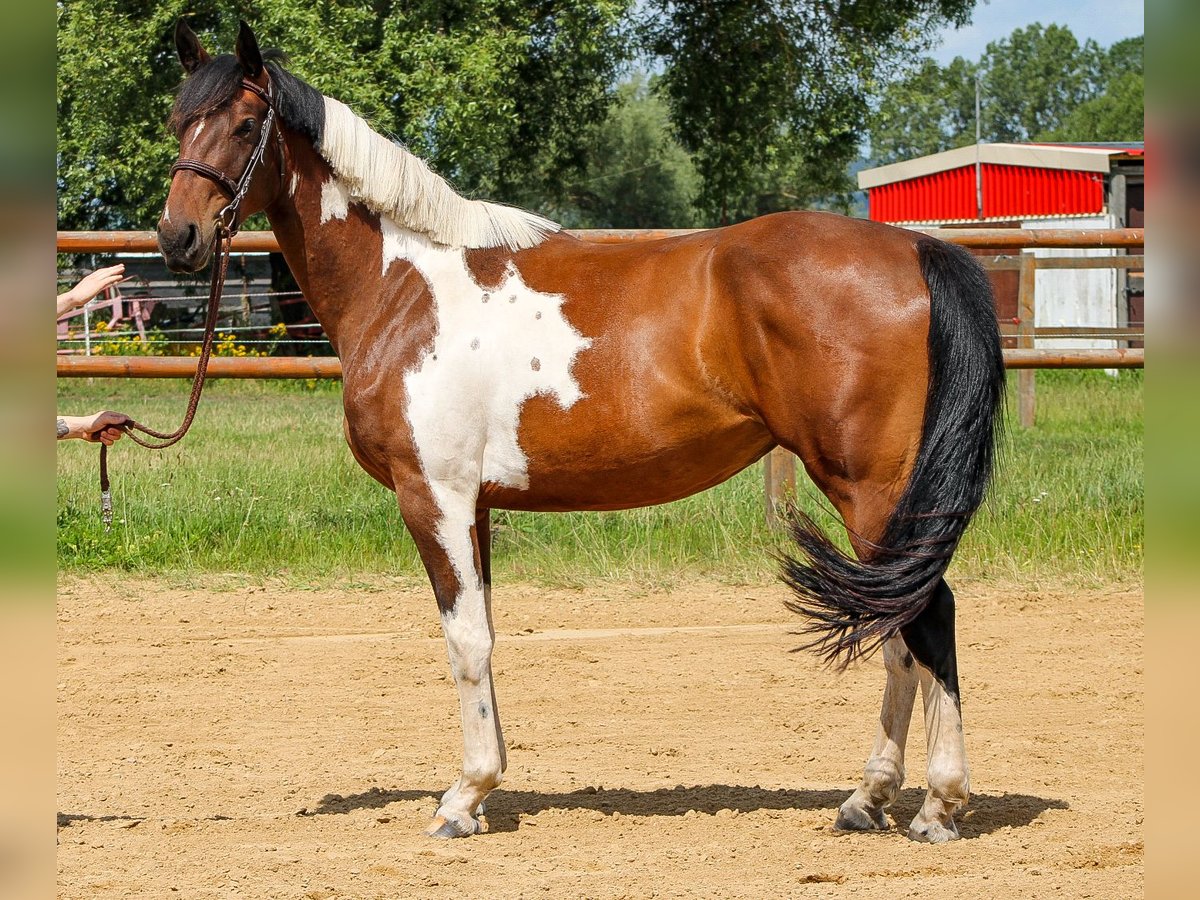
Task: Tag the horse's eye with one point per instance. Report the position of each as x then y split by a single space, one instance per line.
245 128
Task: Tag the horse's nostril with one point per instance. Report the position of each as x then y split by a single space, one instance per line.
182 244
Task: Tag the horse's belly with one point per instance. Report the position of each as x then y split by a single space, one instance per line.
621 472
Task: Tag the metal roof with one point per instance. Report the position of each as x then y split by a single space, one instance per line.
1073 157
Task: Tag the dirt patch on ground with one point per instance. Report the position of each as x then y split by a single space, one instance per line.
264 742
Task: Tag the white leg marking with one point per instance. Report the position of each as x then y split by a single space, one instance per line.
947 770
884 773
469 641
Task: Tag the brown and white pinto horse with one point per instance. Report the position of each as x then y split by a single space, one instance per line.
491 361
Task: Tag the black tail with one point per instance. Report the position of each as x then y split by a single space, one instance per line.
853 605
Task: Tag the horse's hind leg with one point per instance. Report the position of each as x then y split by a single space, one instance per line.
455 553
884 773
931 638
925 655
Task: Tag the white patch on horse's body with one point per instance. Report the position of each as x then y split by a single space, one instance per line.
167 213
199 128
394 183
465 394
335 200
294 183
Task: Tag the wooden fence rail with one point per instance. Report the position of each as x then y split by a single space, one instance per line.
331 366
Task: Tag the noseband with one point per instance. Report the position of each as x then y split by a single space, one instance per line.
227 217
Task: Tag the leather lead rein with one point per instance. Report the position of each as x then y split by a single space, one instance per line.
161 440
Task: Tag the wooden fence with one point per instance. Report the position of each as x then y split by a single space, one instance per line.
779 466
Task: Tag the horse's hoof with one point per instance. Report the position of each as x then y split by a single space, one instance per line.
454 827
932 832
856 818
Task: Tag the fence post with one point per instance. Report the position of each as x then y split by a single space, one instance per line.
1026 313
779 483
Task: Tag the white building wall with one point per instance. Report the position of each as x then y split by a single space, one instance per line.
1075 297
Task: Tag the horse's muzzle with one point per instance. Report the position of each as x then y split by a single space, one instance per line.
183 247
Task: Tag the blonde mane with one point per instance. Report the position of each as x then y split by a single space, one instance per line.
395 183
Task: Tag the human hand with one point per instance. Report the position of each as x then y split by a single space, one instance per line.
89 286
105 427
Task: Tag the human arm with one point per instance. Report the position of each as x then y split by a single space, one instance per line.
89 286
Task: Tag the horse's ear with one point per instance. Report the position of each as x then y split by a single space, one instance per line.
247 51
191 55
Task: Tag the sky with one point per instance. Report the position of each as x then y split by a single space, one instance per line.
1104 21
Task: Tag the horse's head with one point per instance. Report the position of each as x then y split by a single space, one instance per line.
230 148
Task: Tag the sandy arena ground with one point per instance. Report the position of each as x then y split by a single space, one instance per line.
260 742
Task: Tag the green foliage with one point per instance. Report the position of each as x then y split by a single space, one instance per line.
264 485
126 343
1038 84
115 79
1034 78
502 96
499 95
1116 115
770 96
636 173
509 98
930 110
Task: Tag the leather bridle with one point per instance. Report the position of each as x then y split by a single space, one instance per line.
227 226
227 217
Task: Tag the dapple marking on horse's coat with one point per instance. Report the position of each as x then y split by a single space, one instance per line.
491 362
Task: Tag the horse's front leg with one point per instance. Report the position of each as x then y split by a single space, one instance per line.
454 546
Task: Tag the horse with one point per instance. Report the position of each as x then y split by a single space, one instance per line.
492 361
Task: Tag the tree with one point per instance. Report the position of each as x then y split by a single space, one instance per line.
636 175
764 90
1119 113
930 110
1116 115
1034 78
1038 84
500 95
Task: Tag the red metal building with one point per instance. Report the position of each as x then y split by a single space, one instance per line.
1012 183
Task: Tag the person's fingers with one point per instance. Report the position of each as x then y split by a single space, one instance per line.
109 417
102 435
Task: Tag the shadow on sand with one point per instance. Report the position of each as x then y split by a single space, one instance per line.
984 814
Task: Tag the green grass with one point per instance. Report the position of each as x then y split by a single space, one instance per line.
265 486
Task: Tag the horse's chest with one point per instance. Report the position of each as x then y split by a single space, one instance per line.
493 348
